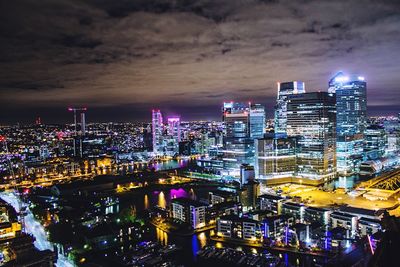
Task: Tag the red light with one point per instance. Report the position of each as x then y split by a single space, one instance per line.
2 138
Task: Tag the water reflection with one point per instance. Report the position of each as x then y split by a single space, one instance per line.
203 239
161 200
162 236
146 204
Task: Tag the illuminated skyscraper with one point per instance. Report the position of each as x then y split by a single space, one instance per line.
257 121
284 90
237 142
83 124
375 141
174 135
275 159
174 128
311 117
351 116
158 129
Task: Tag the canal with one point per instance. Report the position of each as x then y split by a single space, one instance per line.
192 244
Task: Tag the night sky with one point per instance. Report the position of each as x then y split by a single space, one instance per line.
122 58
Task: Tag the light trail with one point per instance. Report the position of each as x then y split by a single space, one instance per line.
33 227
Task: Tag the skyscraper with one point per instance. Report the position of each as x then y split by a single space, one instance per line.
238 146
83 124
375 141
174 128
275 159
174 134
312 118
257 121
158 129
351 116
284 90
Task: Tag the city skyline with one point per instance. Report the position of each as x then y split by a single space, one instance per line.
123 59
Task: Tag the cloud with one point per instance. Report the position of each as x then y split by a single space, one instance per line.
158 52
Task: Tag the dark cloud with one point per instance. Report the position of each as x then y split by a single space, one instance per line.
144 53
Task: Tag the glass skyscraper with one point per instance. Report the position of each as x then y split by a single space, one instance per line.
311 117
375 141
157 130
257 121
284 90
351 117
243 123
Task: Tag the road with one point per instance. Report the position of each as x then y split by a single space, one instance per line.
33 227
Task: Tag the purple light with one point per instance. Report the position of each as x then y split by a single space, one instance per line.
174 119
177 193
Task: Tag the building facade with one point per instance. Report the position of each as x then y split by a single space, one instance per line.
284 90
351 116
275 158
311 117
157 131
257 121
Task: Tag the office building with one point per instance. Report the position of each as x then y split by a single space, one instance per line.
351 116
311 117
238 146
246 174
257 121
375 142
275 159
158 132
284 90
243 122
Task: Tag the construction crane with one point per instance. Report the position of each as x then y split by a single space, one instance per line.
14 183
82 110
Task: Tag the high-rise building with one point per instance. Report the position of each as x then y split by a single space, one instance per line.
275 158
284 90
351 117
238 146
375 141
158 129
246 174
83 124
171 141
311 117
174 128
257 121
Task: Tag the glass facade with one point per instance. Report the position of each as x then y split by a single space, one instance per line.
157 130
311 117
243 123
275 158
284 90
257 121
351 106
375 140
238 147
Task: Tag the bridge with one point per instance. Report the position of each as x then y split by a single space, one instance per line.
387 184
